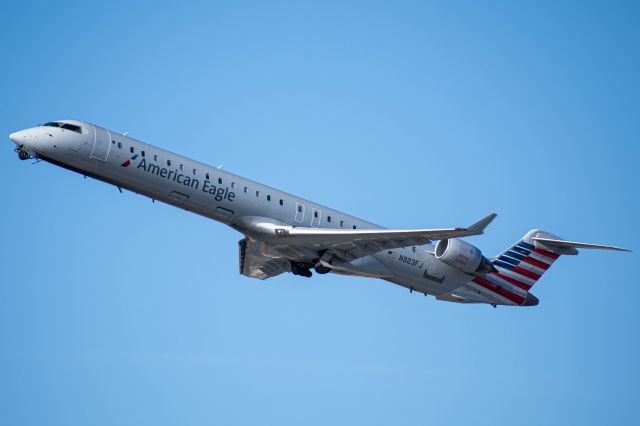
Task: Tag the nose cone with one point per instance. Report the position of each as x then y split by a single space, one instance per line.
18 138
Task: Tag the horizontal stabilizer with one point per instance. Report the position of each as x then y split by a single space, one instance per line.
573 244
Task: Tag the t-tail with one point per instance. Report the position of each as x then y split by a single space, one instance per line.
520 267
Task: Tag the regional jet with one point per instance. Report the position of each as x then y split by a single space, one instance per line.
285 233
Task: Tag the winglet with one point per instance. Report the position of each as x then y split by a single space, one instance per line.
478 227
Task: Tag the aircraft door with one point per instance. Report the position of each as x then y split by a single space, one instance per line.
315 218
101 144
299 212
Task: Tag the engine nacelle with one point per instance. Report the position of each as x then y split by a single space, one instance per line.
462 256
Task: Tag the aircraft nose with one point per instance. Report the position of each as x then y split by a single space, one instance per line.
18 137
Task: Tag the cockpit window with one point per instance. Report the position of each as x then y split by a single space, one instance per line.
53 124
66 126
72 127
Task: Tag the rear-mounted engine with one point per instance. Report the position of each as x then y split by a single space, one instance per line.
462 256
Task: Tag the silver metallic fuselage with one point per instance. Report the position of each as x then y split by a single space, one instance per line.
225 197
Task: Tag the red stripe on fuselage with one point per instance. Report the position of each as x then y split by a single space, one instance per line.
546 253
513 281
499 290
525 272
537 263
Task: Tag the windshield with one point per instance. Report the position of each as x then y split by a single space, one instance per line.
66 126
52 124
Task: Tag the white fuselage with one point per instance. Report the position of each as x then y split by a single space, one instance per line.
225 197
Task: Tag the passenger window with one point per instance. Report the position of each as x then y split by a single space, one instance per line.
155 157
131 150
281 202
181 166
142 153
268 197
315 213
246 189
195 172
233 184
220 181
113 142
168 162
207 176
119 144
299 208
257 193
354 227
341 223
328 218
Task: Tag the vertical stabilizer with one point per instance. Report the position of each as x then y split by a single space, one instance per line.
526 261
517 269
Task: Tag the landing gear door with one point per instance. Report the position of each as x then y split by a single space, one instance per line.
222 214
178 199
101 144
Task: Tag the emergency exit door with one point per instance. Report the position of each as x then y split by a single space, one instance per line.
101 144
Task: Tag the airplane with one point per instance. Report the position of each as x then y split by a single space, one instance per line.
285 233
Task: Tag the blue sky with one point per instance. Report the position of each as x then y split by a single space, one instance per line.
114 310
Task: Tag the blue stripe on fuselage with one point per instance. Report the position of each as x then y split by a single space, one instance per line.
521 250
525 245
514 262
515 255
503 264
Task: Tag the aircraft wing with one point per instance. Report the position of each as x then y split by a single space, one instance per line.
351 244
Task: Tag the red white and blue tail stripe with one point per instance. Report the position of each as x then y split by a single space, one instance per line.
523 264
517 270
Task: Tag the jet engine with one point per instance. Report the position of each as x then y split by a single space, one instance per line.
462 256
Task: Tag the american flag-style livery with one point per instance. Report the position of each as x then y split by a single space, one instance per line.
517 270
